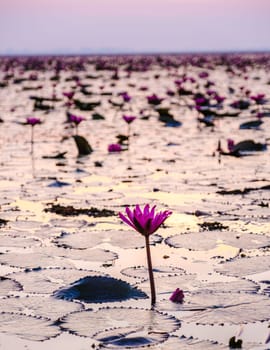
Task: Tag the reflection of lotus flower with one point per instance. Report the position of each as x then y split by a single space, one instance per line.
146 222
114 148
177 296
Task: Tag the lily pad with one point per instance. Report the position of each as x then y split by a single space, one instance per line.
99 289
46 281
207 240
242 267
39 306
233 308
27 327
88 323
124 239
129 337
185 343
8 285
189 283
142 271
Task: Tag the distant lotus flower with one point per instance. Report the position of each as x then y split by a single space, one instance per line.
177 296
32 121
201 101
211 92
219 99
76 120
259 99
128 118
154 99
192 80
230 145
114 148
170 92
69 94
203 75
146 222
125 96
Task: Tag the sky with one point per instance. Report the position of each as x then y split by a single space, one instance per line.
133 26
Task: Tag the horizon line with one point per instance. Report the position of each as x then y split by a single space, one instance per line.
135 53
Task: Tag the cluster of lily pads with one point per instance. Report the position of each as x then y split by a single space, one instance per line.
45 293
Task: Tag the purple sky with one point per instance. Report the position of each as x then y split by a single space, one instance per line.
87 26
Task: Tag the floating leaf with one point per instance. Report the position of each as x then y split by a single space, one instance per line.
87 323
232 308
19 242
46 307
46 281
8 285
99 289
207 240
129 337
27 327
188 283
82 240
242 267
185 343
32 260
142 271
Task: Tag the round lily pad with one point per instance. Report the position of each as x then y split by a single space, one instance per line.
232 308
185 343
129 337
99 289
142 271
8 285
46 281
122 238
207 240
245 266
88 323
47 307
27 327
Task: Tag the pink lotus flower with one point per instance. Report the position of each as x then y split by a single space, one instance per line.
230 145
154 99
177 296
114 148
219 99
128 118
76 119
125 96
33 121
259 99
146 222
69 94
203 75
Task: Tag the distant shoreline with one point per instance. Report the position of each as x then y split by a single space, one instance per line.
161 53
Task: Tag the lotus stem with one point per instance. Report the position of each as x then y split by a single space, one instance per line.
150 271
